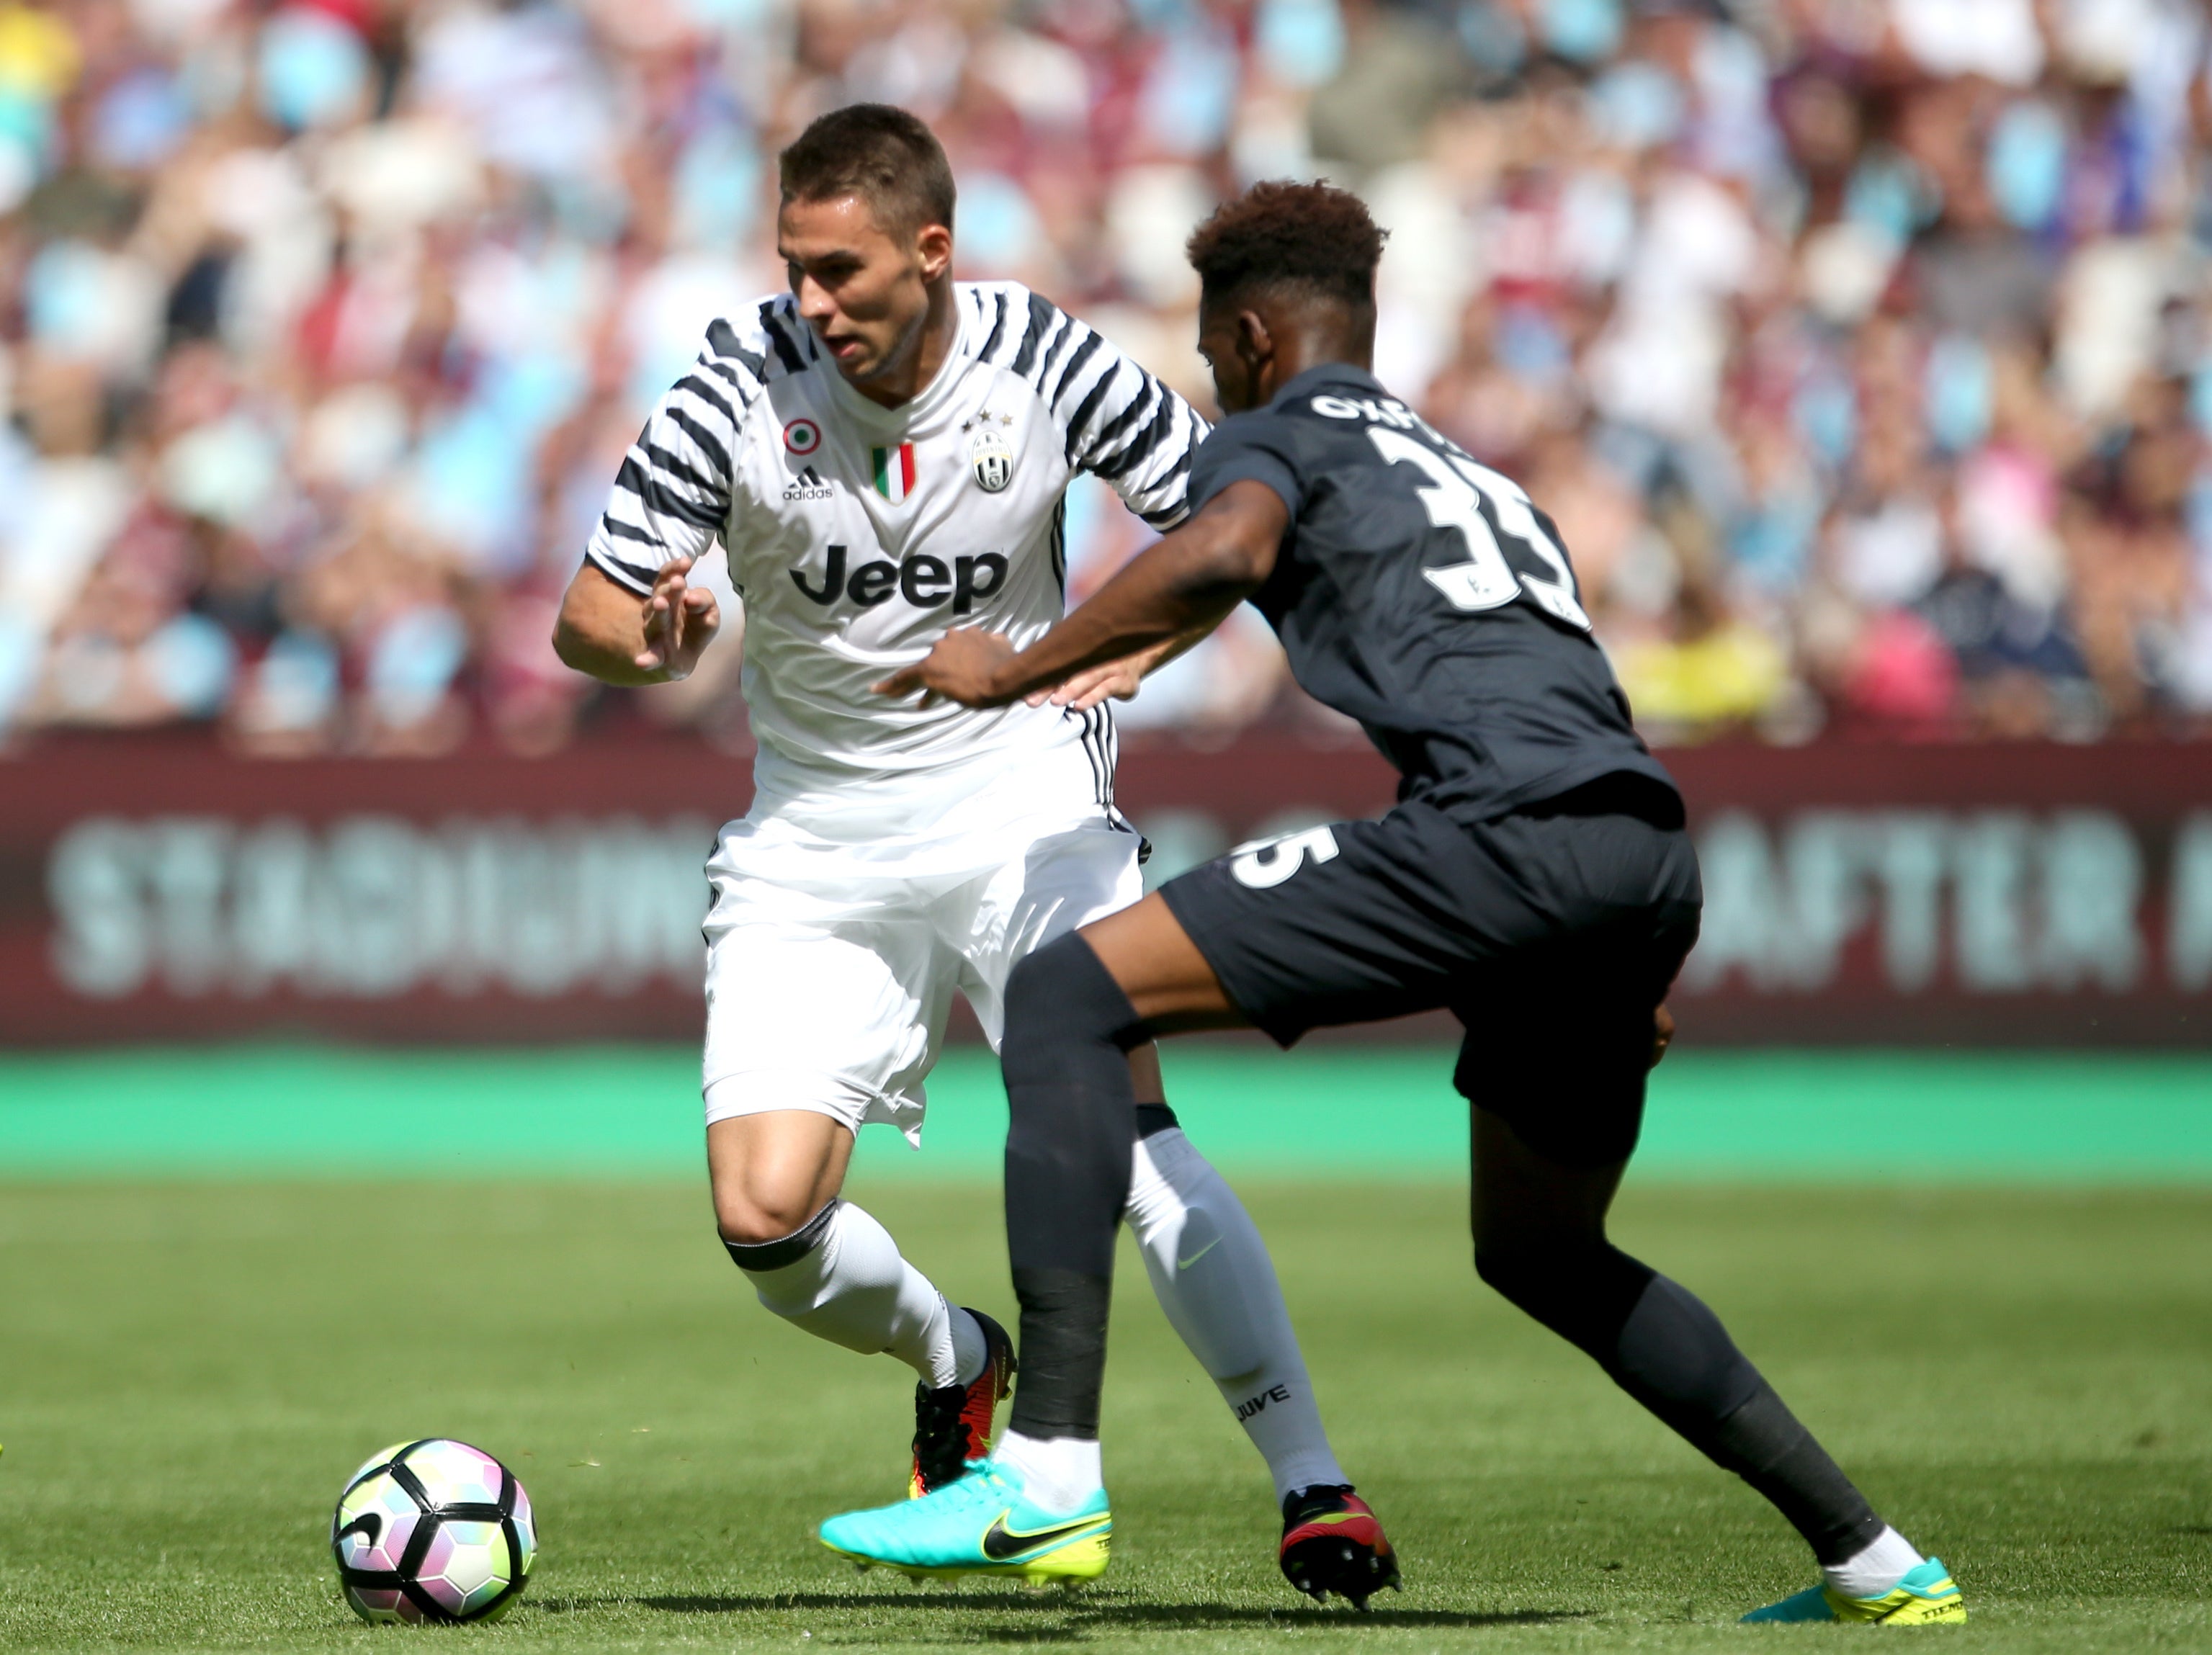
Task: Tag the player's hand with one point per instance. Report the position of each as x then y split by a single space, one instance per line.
963 667
1663 1033
680 620
1116 681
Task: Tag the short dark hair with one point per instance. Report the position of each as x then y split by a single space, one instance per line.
1283 235
885 156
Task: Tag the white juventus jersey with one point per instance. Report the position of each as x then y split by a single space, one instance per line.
858 535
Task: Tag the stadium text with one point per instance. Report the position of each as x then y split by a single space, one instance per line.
1949 895
373 907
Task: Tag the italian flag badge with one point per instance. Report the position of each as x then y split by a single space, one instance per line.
893 469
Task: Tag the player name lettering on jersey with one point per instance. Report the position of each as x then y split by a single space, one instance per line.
857 534
1387 411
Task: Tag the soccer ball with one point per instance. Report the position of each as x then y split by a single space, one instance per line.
433 1531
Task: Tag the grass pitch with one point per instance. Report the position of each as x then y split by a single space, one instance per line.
188 1371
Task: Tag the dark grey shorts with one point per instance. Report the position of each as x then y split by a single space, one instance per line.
1551 934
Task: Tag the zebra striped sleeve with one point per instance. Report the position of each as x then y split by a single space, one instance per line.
671 497
1124 426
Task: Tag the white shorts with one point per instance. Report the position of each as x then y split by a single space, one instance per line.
831 966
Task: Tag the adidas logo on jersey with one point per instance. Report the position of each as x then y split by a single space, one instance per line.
808 485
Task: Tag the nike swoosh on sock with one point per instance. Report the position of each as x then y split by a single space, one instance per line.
1185 1263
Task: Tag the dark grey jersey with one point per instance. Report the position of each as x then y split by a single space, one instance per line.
1421 593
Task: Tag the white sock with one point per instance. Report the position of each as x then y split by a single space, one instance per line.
1212 1275
854 1290
1886 1560
971 1349
1060 1474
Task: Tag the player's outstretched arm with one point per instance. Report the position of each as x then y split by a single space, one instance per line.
1117 680
1184 586
619 638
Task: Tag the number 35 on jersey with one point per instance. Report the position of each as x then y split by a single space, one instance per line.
1454 492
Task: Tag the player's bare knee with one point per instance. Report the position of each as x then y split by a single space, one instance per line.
752 1211
769 1239
771 1173
750 1221
740 1213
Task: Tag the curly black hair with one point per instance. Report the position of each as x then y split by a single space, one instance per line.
883 154
1278 234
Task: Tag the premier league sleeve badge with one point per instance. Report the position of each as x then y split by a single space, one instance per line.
991 455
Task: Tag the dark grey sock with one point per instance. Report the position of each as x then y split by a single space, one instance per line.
1070 1111
1063 1353
1660 1343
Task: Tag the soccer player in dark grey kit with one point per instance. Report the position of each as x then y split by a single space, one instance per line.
1535 878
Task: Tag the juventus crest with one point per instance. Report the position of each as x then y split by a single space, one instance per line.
990 453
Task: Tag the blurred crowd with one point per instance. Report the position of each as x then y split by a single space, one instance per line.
1861 348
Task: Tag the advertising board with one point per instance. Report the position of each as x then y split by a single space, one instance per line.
158 890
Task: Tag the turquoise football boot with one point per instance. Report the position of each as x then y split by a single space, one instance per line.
1926 1596
982 1524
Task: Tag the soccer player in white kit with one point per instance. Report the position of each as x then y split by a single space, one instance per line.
883 452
